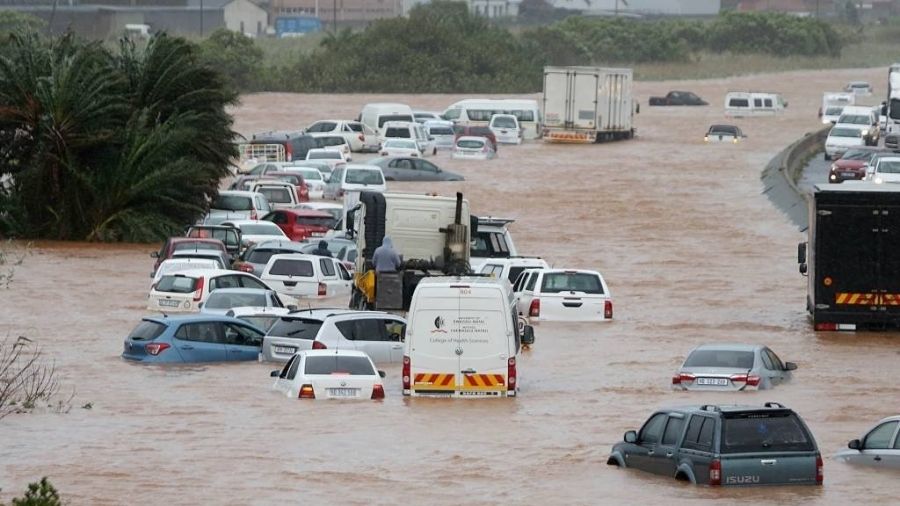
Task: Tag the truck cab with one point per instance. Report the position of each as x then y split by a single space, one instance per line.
491 240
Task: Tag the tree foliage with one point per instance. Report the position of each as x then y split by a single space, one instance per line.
103 145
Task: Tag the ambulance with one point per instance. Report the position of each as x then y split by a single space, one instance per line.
463 339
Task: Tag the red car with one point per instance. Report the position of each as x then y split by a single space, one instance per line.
298 224
475 131
174 244
852 164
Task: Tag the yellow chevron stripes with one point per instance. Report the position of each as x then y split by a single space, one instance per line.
867 299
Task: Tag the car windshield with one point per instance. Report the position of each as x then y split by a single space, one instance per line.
395 132
764 432
232 203
720 358
295 328
394 117
857 154
170 266
337 364
326 154
220 300
176 284
469 144
399 143
147 331
284 267
260 229
555 282
854 119
276 195
263 322
504 122
363 176
844 132
888 167
262 256
723 130
440 130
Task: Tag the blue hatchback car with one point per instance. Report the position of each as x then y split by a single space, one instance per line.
193 338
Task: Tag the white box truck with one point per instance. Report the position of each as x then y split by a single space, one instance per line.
587 104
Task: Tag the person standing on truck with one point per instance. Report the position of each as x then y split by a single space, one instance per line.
322 250
385 257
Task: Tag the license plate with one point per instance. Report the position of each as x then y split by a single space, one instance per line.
285 349
169 303
848 174
343 392
720 382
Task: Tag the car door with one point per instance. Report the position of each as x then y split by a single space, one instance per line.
200 342
638 455
368 335
877 448
663 460
697 446
282 383
425 170
395 330
251 282
242 343
779 373
767 370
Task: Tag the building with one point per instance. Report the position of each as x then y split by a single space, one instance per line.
494 8
350 13
641 7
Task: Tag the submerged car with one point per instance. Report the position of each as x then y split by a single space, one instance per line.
192 338
879 447
473 148
329 374
732 367
724 133
223 300
403 168
724 445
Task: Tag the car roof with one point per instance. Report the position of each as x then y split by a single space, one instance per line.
306 213
294 256
239 193
573 271
191 318
277 244
240 290
189 259
363 166
272 182
206 240
516 260
256 311
729 347
238 223
320 313
726 408
332 353
194 273
455 280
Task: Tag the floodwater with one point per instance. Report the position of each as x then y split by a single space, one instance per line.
691 250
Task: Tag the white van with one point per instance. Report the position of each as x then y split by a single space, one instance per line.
409 130
510 268
865 119
505 128
832 105
462 339
354 178
306 276
479 112
377 114
751 103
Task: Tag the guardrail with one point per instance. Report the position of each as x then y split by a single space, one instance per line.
784 170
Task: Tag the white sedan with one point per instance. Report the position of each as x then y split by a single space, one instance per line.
254 231
473 148
400 147
329 374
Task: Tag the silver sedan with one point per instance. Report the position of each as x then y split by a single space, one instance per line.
732 367
880 447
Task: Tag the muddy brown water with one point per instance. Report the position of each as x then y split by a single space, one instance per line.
691 250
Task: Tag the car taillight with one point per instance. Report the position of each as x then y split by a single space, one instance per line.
253 215
607 310
826 326
406 381
361 138
198 291
511 376
319 345
323 289
378 392
156 348
752 381
245 267
715 473
820 470
307 392
682 378
534 310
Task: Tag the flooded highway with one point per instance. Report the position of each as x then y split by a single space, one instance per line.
692 252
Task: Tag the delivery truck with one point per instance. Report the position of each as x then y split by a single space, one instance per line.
850 256
587 104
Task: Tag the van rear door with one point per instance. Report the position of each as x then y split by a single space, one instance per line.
480 332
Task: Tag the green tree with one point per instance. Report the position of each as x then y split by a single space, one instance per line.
41 493
236 56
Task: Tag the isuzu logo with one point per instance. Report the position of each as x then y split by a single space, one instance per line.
742 480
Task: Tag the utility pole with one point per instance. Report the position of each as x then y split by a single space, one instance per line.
201 18
334 17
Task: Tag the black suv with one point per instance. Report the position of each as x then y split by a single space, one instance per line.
724 445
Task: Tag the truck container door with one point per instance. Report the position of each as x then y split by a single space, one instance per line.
846 259
889 261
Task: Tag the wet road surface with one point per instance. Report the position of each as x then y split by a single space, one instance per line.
693 253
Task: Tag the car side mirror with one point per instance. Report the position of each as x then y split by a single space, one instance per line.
855 444
528 335
801 253
631 437
790 366
275 373
155 254
381 374
291 307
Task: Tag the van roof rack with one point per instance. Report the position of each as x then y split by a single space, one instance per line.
774 405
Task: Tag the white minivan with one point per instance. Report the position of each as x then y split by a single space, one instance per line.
377 114
354 177
574 295
462 339
752 103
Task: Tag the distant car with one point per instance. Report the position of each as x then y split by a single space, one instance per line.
185 291
173 265
886 169
254 259
324 166
475 131
223 300
330 156
354 177
378 334
174 244
254 231
333 208
506 129
360 137
678 98
403 168
335 142
222 259
510 268
859 88
300 224
566 295
841 138
724 446
314 179
192 338
329 374
230 237
279 194
732 367
851 165
335 245
306 276
236 205
832 113
865 119
473 148
878 448
724 133
400 147
261 317
426 116
442 133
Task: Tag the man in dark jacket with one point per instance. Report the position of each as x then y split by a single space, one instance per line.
322 250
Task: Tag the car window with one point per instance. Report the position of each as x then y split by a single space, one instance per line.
230 281
345 274
277 218
251 282
531 282
363 329
147 331
232 203
285 371
879 438
692 437
242 336
738 102
327 266
364 176
673 430
767 362
707 432
302 268
226 300
515 271
720 358
555 282
764 432
260 321
205 332
296 328
336 364
652 430
176 284
395 330
276 195
779 365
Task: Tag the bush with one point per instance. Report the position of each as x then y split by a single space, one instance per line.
41 493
